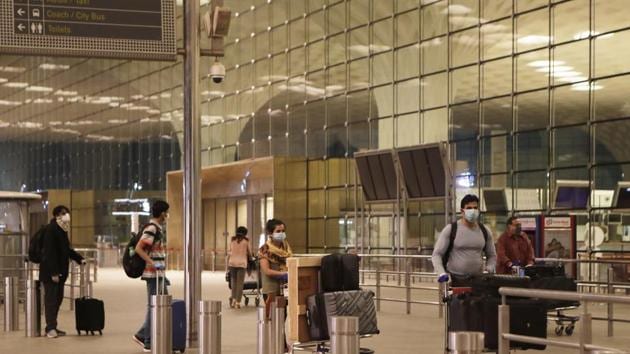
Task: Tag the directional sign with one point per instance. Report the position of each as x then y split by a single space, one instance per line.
106 28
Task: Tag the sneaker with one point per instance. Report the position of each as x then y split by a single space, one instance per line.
60 333
52 334
138 340
146 349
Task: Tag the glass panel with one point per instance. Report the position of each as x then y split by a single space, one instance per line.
407 62
465 84
530 189
496 39
408 130
607 60
434 126
532 30
434 20
525 5
359 40
407 96
570 64
465 47
407 28
382 36
527 76
492 9
571 21
496 152
532 110
496 116
532 150
465 121
336 18
497 77
569 106
359 13
382 9
382 70
609 15
611 141
571 146
463 13
434 90
610 98
434 55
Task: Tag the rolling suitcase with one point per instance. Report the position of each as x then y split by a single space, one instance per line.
89 315
179 325
358 303
543 270
339 272
489 284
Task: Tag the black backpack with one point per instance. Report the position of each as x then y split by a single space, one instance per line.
447 254
36 246
133 264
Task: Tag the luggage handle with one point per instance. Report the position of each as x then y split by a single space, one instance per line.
160 290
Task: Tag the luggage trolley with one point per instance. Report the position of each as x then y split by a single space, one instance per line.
252 284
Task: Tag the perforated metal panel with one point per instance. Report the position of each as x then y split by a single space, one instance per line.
84 46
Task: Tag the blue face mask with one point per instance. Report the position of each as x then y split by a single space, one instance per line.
471 215
279 236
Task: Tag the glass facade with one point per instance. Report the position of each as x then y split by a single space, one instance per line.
525 92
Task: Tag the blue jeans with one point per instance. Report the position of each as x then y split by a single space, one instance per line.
145 331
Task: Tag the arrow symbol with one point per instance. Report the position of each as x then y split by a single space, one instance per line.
21 27
21 11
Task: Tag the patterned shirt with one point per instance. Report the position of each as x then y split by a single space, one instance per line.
156 249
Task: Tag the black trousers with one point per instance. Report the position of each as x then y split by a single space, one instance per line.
53 296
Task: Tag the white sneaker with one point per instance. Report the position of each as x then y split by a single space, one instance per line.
52 334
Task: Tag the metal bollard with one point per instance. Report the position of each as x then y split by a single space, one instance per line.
344 335
609 306
11 313
33 308
161 324
277 323
263 333
465 342
73 284
209 327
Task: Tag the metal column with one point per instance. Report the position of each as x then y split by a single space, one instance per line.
33 309
192 166
263 333
11 310
161 324
210 327
344 335
609 306
277 323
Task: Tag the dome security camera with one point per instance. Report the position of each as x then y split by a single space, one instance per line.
217 72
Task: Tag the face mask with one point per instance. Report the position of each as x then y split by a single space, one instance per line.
471 215
279 236
65 218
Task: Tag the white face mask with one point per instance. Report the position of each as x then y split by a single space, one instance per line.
65 218
471 215
279 236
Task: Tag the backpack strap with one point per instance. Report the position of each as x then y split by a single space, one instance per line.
484 231
451 241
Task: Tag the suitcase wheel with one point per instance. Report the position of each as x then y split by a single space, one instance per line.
559 330
78 332
92 332
569 330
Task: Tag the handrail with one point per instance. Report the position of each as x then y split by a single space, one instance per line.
591 261
586 335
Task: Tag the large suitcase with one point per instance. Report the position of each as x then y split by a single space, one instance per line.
489 284
179 325
472 313
358 303
89 315
339 272
543 270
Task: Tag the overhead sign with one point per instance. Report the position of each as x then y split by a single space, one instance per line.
140 29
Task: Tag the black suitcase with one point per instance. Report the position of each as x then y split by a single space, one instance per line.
489 284
543 270
89 315
480 314
339 272
358 303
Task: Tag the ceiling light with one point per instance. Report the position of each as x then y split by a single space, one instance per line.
456 10
573 78
154 111
16 84
534 39
167 137
3 80
585 86
66 131
55 123
39 89
543 63
99 137
137 97
559 68
165 95
65 93
12 69
566 74
50 66
29 125
4 124
9 103
42 100
117 121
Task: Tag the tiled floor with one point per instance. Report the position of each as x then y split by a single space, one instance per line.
420 332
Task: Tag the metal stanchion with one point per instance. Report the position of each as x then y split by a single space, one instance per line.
344 335
504 327
378 286
11 314
209 327
466 342
263 341
33 308
277 323
408 285
161 324
609 306
73 284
